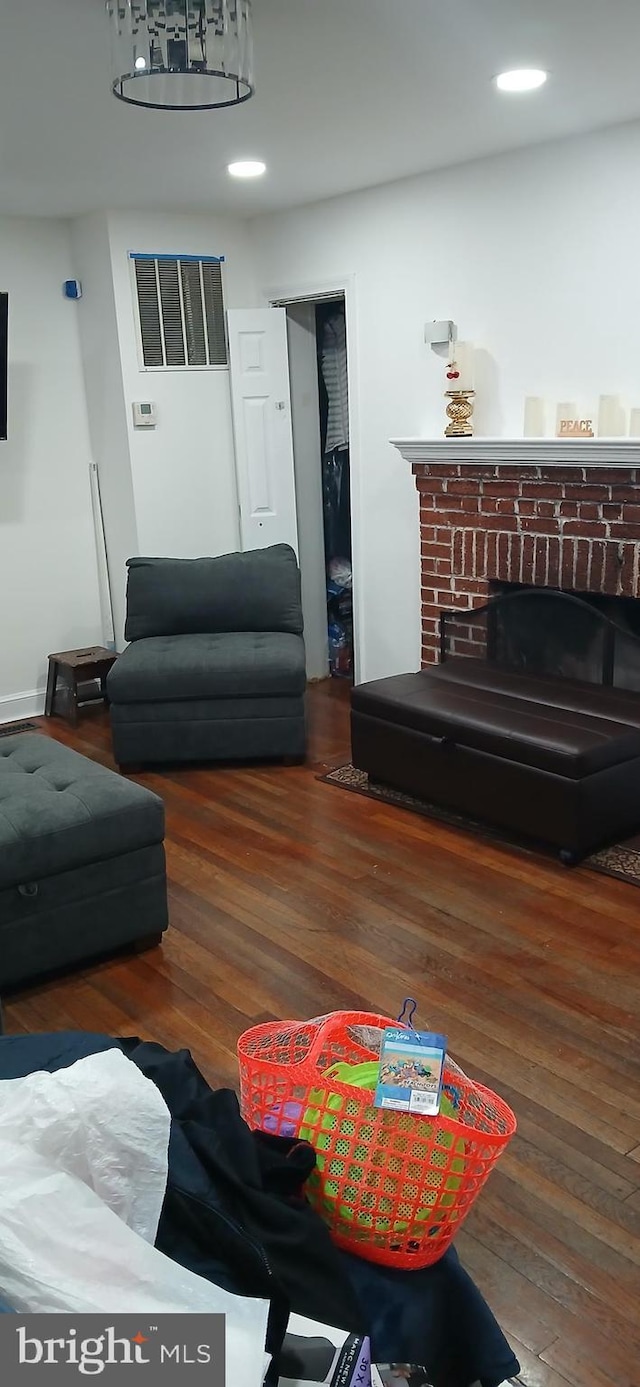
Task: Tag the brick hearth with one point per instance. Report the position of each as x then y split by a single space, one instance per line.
551 526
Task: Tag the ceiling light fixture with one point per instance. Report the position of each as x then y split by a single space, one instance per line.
247 168
181 55
522 79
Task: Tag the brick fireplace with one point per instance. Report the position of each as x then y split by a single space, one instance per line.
536 512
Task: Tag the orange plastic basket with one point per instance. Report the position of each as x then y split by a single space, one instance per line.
393 1187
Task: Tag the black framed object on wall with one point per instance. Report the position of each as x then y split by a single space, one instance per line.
4 361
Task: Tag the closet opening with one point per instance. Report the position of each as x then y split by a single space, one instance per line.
319 375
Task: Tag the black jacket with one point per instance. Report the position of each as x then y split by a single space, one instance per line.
235 1210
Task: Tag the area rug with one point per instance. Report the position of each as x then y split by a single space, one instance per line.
11 729
622 860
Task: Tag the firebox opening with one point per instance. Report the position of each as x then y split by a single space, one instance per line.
566 640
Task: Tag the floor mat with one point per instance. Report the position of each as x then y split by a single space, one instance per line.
621 860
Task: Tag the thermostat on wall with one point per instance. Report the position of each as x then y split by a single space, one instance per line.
144 415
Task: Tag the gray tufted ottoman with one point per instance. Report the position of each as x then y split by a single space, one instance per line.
82 869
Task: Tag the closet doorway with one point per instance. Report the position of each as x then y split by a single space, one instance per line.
320 415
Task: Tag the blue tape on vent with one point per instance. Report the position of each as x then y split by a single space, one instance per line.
193 259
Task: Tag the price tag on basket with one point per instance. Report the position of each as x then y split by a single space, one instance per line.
411 1071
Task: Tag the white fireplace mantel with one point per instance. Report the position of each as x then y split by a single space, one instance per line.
545 452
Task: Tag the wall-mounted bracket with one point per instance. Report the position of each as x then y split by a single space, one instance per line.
441 336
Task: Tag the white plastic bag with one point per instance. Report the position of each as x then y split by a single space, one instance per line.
103 1121
83 1166
62 1249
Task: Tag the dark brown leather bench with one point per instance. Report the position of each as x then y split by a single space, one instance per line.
554 759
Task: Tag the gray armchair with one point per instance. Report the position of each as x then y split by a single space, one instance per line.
215 668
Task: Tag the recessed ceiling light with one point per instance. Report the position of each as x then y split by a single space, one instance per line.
140 63
247 168
522 79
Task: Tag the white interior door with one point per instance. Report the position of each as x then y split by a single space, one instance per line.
260 401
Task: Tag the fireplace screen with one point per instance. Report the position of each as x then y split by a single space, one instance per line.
544 631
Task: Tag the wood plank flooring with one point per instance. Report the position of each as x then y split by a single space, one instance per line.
290 897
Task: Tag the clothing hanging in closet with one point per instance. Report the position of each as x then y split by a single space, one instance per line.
336 483
336 488
334 370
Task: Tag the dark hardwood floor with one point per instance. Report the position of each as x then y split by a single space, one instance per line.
290 897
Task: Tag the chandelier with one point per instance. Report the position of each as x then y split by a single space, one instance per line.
182 55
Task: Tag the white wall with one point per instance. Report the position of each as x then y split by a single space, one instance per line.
183 471
48 572
534 255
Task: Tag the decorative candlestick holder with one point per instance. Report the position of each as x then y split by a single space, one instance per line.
460 413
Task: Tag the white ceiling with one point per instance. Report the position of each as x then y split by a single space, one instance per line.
349 93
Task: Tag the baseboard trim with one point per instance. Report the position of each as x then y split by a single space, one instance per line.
17 707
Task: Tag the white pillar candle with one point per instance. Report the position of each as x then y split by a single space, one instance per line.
534 417
610 417
634 424
564 412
